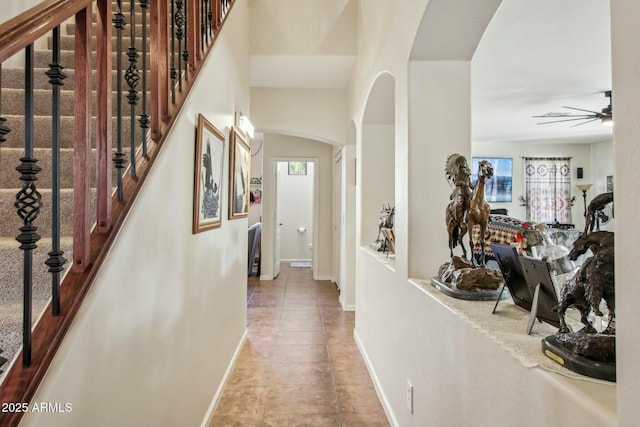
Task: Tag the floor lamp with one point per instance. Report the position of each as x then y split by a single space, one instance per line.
584 188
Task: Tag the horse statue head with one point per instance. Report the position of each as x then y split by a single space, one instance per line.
485 170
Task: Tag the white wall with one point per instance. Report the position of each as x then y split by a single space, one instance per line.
377 177
160 325
460 376
581 156
309 113
296 27
13 8
602 165
625 38
278 147
296 203
439 125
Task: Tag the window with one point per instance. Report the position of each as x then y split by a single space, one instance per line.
297 168
548 189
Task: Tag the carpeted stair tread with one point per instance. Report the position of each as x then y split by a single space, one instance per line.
43 58
42 131
11 222
11 288
10 159
13 102
13 78
71 27
68 42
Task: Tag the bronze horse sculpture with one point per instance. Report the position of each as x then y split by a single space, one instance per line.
594 281
479 210
459 174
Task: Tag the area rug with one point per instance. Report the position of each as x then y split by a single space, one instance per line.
301 264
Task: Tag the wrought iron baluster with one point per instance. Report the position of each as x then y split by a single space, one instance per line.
132 77
4 129
210 19
144 116
185 52
203 24
28 205
56 259
178 19
119 159
172 73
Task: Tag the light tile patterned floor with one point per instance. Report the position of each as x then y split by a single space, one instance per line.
300 365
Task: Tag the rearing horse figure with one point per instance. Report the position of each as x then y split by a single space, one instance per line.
479 209
458 172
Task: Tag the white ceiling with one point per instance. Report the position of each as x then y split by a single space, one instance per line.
534 58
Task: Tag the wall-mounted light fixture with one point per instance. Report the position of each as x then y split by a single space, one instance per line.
245 125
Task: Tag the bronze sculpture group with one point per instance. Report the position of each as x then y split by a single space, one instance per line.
595 279
467 206
385 228
587 351
593 282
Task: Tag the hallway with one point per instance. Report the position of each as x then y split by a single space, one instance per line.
300 365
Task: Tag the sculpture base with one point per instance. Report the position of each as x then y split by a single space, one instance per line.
562 349
450 290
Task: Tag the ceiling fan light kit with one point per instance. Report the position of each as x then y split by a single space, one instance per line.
605 116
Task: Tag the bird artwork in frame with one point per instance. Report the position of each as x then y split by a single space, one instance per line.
239 175
208 167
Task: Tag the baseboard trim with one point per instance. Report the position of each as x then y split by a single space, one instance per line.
348 307
376 383
216 398
322 277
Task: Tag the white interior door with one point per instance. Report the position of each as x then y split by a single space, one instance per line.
276 221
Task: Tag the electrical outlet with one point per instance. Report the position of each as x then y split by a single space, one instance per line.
410 397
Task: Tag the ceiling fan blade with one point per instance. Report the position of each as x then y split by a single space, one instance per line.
588 121
559 115
580 109
568 120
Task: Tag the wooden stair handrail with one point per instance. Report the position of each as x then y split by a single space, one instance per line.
29 26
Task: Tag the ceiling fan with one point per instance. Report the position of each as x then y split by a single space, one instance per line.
606 115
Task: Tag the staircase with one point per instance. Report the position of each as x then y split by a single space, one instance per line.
12 108
168 91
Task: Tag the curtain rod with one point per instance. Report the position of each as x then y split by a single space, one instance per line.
546 158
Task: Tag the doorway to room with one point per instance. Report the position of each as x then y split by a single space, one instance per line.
294 213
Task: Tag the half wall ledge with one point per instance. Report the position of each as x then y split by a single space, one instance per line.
507 329
387 259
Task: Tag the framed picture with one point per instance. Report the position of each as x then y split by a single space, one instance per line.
239 168
498 188
609 183
297 168
208 168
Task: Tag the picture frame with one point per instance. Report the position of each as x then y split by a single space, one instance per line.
499 187
208 176
609 183
239 175
297 168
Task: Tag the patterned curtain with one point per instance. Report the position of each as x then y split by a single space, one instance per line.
548 189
